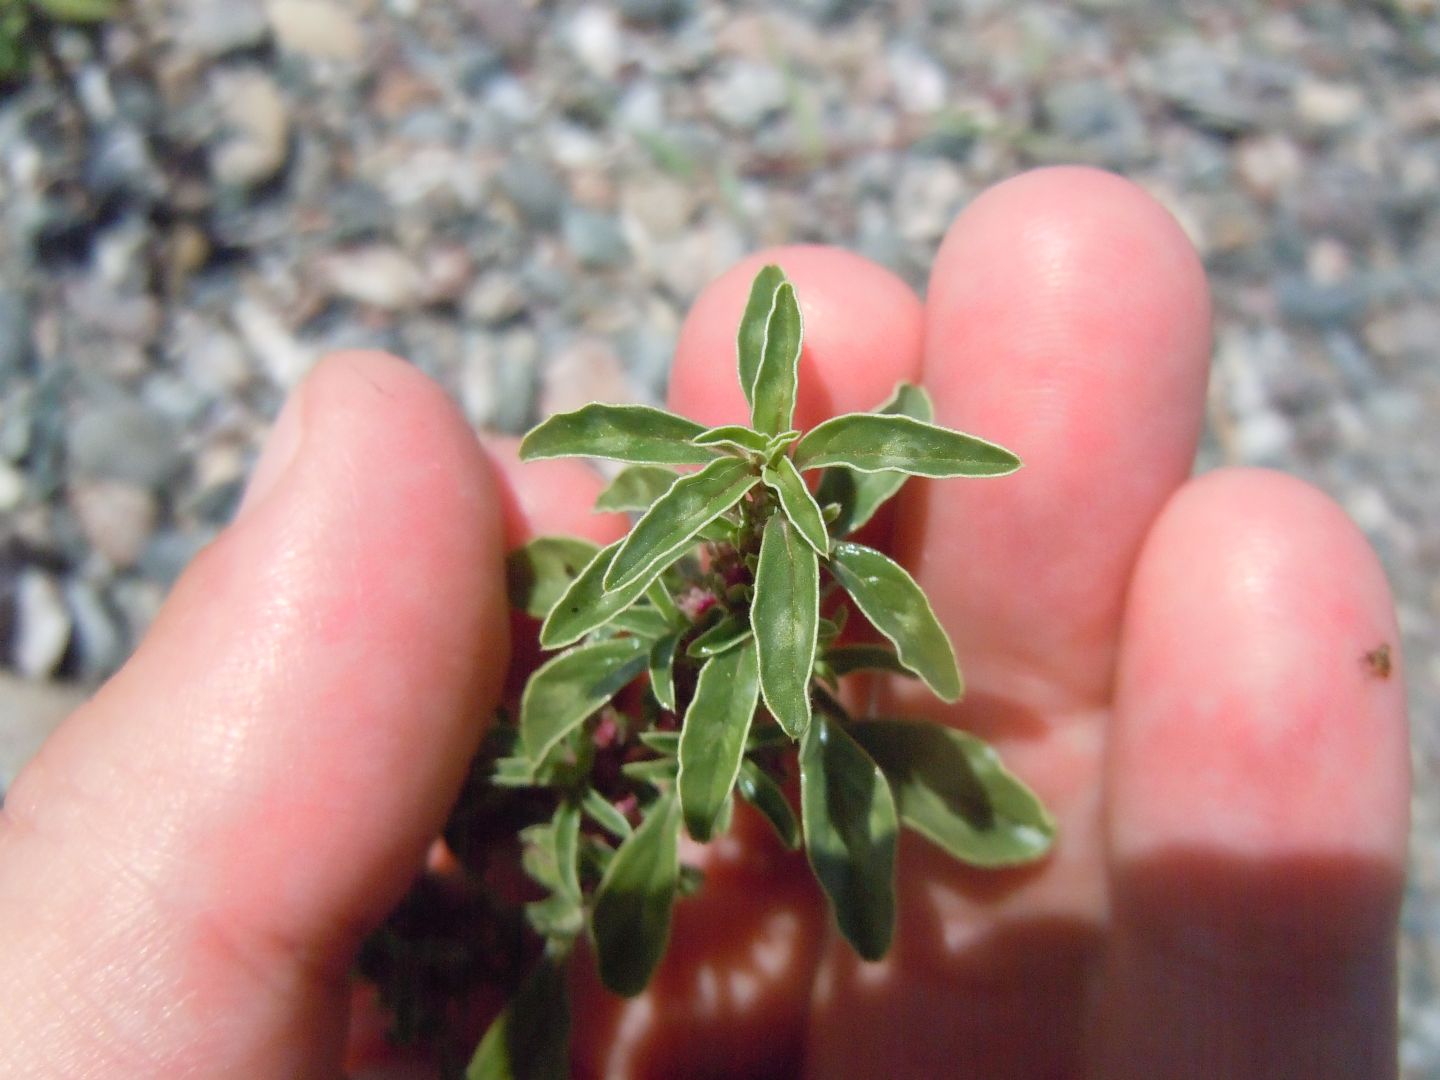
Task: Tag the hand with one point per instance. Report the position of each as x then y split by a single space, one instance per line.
1175 665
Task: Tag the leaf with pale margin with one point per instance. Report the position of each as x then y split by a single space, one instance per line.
773 405
631 919
760 791
857 495
643 621
722 637
568 688
850 834
635 433
669 527
538 574
847 659
953 789
868 442
712 740
662 742
662 668
797 502
636 487
896 606
602 811
734 436
587 605
786 615
750 342
530 1039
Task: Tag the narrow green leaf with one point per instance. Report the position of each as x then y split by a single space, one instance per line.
569 687
658 772
773 405
712 741
737 436
662 742
530 1039
79 11
723 636
952 789
602 811
662 668
797 502
850 826
587 605
786 616
636 487
856 495
895 605
631 920
760 791
670 525
661 600
750 345
643 621
871 443
845 659
538 574
636 433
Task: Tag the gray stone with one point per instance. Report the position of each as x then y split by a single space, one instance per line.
595 239
100 642
535 190
14 335
116 517
213 28
1320 303
126 441
655 12
746 94
1095 115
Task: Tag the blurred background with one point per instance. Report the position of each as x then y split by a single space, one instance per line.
200 197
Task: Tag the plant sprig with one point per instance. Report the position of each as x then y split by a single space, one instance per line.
691 664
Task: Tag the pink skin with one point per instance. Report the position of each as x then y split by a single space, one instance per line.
1176 665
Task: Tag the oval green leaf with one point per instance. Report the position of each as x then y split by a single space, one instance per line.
634 433
569 687
786 616
530 1039
734 436
750 343
760 791
537 575
868 442
953 789
850 834
797 502
587 605
722 637
662 668
712 740
773 405
602 811
895 605
858 495
636 487
631 920
670 525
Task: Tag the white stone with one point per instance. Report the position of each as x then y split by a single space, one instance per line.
285 359
1328 105
594 37
317 28
255 114
383 277
43 632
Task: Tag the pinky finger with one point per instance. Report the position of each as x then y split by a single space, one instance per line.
1258 791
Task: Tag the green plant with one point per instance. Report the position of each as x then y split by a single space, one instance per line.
700 657
25 25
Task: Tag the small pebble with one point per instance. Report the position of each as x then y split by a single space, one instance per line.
43 624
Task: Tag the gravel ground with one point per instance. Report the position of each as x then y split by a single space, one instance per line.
523 197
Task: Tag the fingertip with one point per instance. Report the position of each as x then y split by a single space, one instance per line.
863 328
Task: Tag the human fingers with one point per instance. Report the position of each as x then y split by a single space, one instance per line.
1067 319
1258 780
188 865
731 996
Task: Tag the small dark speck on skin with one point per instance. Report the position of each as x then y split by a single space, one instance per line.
1378 661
